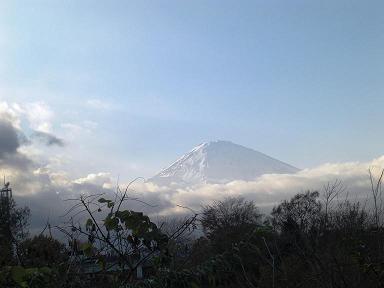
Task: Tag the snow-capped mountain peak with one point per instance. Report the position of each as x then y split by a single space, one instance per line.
220 162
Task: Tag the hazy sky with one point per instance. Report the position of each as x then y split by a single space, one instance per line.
130 85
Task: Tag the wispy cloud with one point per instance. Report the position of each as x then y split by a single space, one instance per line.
99 104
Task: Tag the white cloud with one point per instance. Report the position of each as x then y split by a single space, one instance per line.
10 113
102 179
39 115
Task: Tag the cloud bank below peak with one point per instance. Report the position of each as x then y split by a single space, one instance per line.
267 190
52 188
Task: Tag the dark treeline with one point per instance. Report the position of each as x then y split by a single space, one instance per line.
315 239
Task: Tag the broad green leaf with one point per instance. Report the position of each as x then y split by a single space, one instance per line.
86 248
111 223
103 200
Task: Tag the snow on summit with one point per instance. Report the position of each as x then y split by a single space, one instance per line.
220 162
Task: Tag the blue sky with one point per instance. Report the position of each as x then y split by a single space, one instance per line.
144 81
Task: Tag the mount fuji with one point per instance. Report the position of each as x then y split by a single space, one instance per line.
220 162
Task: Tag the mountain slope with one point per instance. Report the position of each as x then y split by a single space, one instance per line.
220 162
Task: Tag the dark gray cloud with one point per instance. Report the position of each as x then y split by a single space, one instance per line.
9 139
47 138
